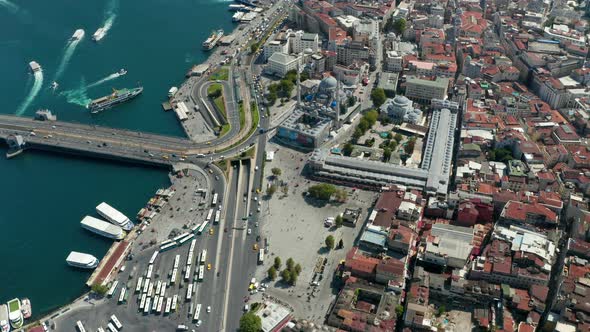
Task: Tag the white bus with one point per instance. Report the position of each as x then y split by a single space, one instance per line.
195 228
192 247
148 305
189 258
122 294
158 287
168 304
189 292
100 329
209 215
160 304
173 277
201 273
146 285
260 256
187 274
174 302
113 288
203 257
142 303
214 200
163 290
168 246
150 269
153 259
176 261
116 322
197 312
202 228
139 284
217 217
80 326
179 237
186 238
111 327
150 289
155 304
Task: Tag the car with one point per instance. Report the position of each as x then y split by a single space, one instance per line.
208 309
257 237
216 177
256 168
259 203
256 224
249 231
211 231
209 266
246 307
244 198
257 209
255 247
256 198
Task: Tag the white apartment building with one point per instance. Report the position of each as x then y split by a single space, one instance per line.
280 63
300 41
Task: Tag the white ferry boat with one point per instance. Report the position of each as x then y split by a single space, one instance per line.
82 260
114 216
78 34
102 228
14 313
99 34
4 324
35 67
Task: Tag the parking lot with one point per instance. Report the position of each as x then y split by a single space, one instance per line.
295 229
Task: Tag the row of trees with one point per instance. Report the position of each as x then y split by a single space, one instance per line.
285 87
330 242
365 123
325 191
289 275
250 322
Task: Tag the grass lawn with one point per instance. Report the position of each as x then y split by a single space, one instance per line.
255 118
242 116
214 90
220 74
224 129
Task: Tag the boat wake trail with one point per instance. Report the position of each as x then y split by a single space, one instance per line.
32 94
65 60
77 96
10 6
110 14
101 81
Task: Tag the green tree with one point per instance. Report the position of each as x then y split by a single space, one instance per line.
286 88
371 117
357 134
271 190
502 154
272 273
393 145
277 263
347 149
351 101
399 26
290 263
409 147
304 76
441 310
386 154
339 221
293 279
330 242
254 47
322 191
297 269
378 97
276 171
286 275
99 289
399 310
250 322
398 137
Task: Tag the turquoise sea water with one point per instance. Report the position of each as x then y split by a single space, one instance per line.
44 196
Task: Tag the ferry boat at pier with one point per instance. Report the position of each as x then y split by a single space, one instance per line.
4 324
102 228
82 260
15 314
117 97
213 39
114 216
26 308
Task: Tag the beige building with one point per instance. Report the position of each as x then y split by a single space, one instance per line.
423 90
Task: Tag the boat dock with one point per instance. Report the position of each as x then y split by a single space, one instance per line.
112 261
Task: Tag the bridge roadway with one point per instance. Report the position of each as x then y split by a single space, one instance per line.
104 141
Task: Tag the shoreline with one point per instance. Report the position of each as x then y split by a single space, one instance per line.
37 319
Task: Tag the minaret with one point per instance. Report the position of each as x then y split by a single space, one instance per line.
298 86
337 102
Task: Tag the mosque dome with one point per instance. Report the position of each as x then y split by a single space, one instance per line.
328 84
